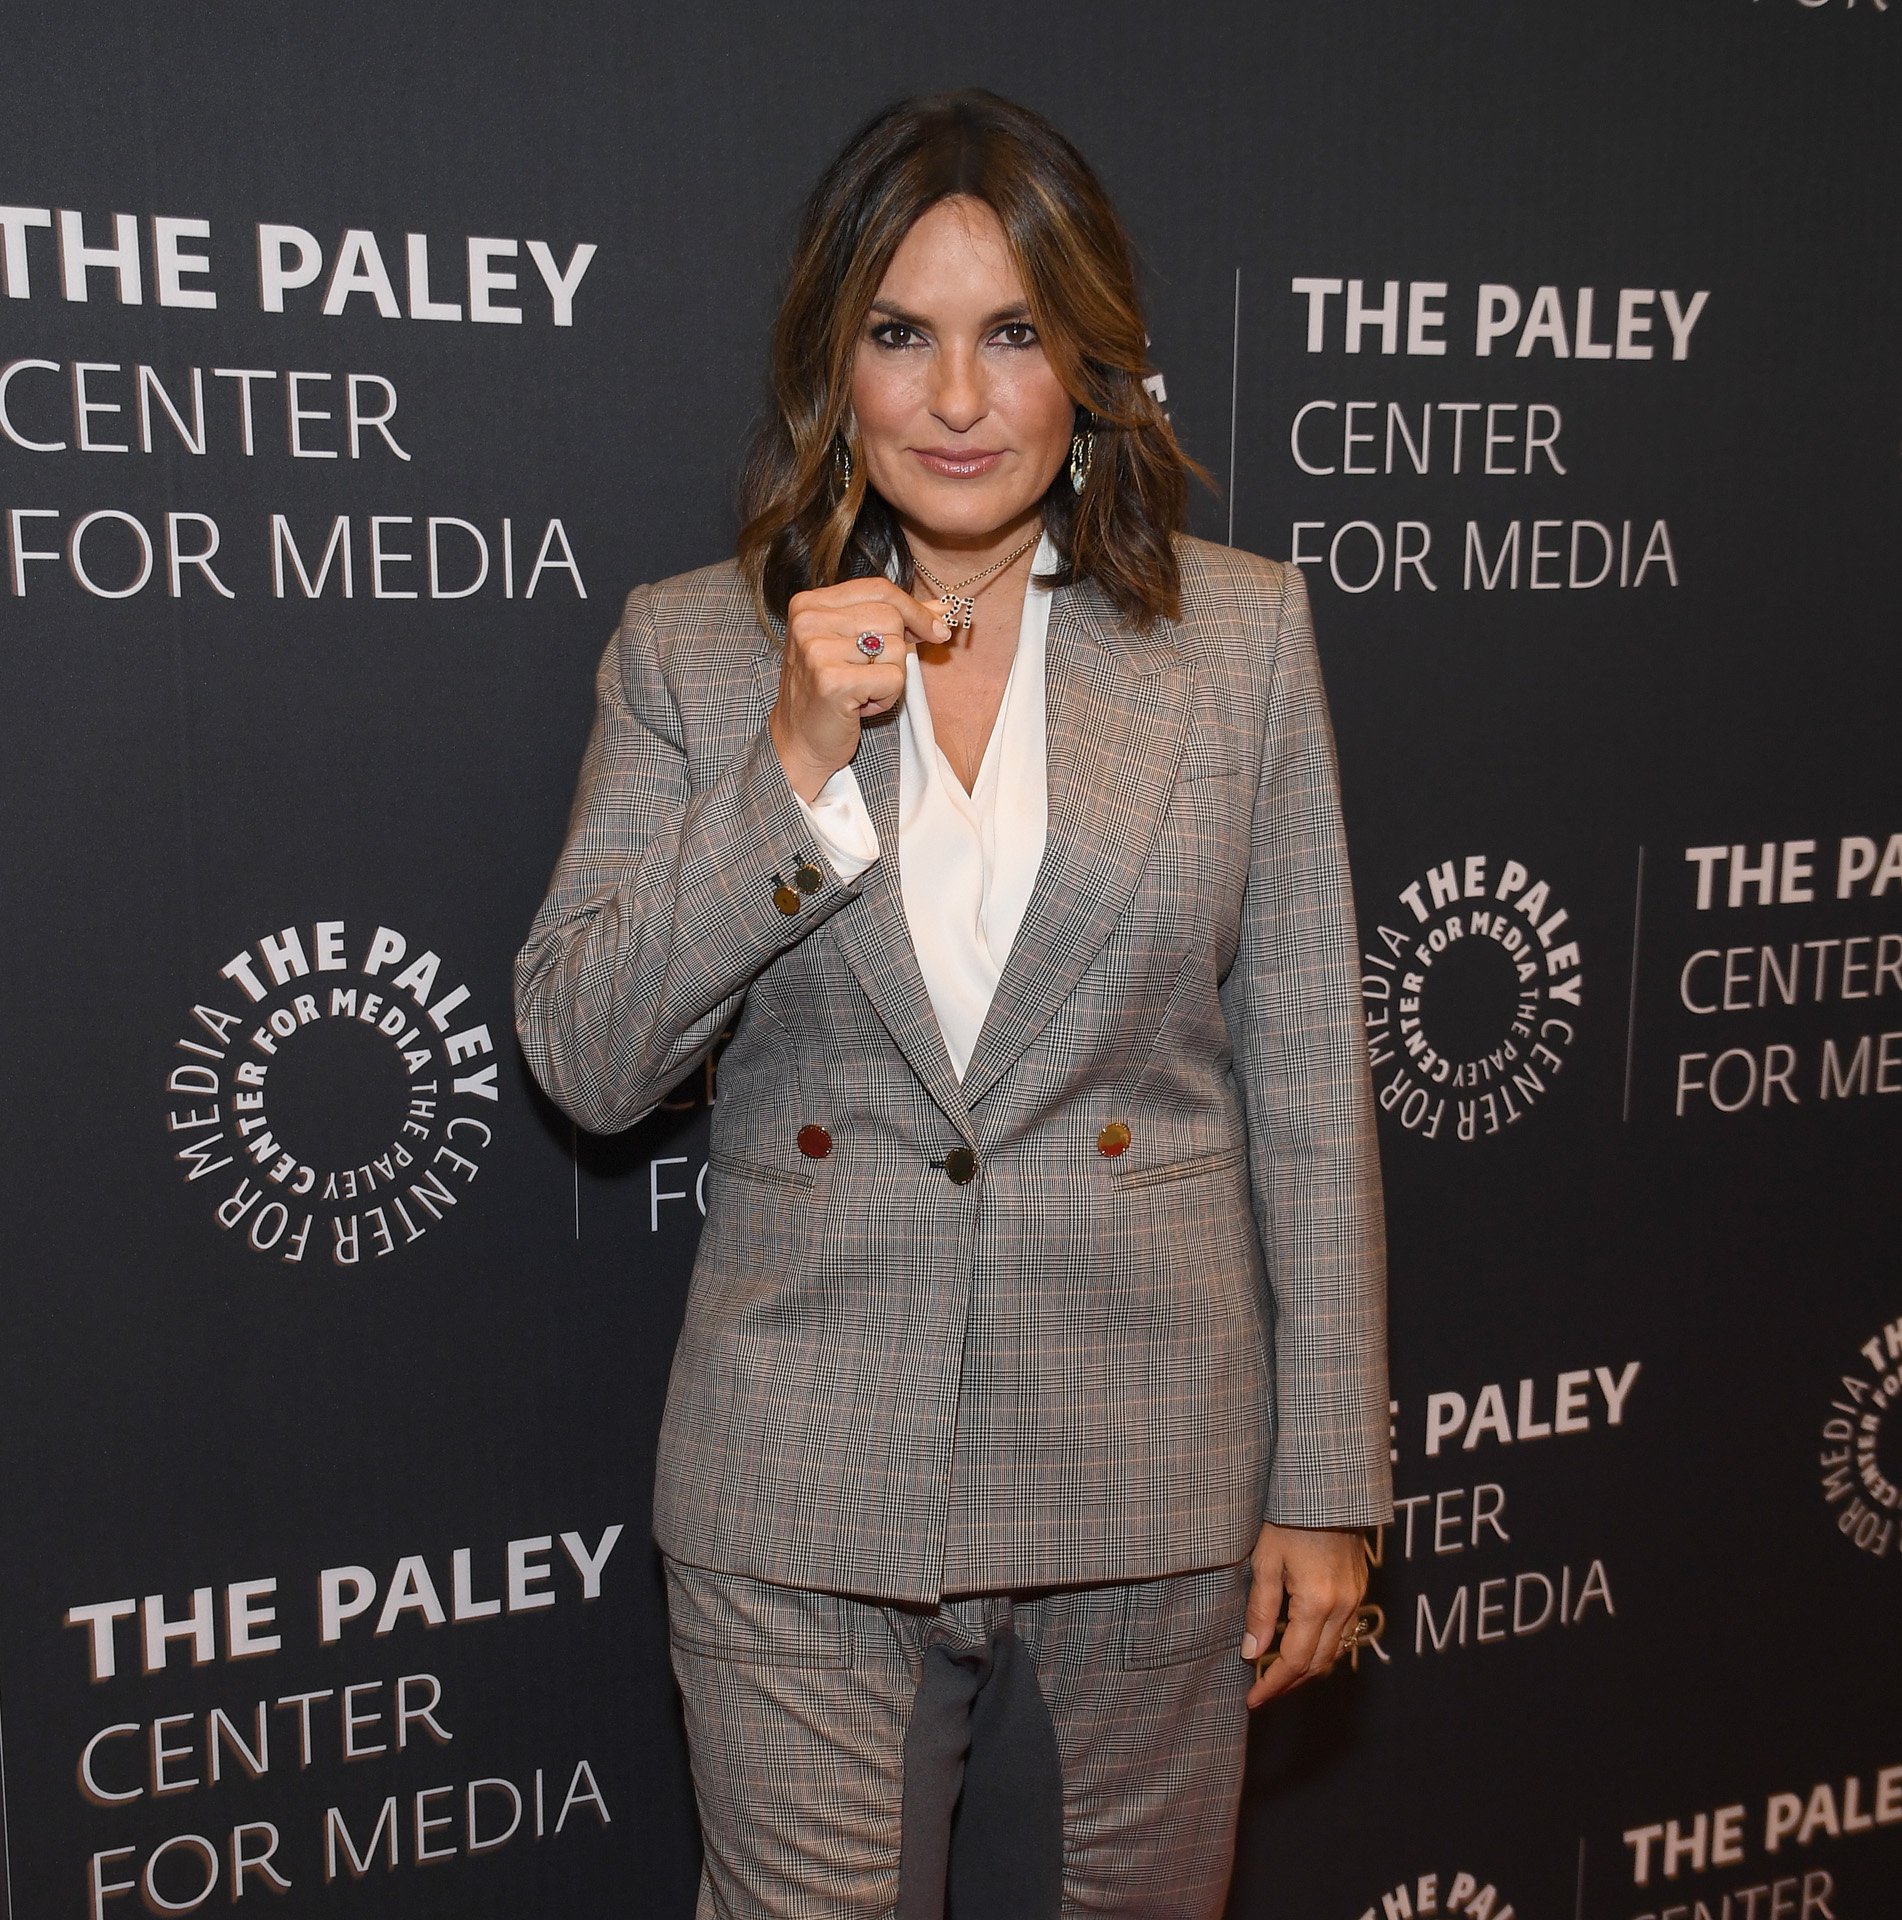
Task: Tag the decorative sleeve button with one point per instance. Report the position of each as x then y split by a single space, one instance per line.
814 1142
785 898
1113 1141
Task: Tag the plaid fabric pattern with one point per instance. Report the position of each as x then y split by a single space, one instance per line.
797 1706
1073 1369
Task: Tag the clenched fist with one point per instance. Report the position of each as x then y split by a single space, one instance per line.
827 687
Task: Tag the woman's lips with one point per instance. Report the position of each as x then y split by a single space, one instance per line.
957 464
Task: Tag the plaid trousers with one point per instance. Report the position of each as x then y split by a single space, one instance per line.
829 1739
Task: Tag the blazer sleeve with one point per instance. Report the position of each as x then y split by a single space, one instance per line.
662 907
1293 1008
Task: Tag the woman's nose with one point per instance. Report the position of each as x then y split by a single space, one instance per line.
960 400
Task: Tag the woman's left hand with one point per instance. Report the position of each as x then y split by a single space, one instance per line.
1322 1571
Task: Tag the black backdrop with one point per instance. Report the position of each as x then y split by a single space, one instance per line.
1640 1619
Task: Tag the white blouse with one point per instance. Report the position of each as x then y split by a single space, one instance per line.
966 861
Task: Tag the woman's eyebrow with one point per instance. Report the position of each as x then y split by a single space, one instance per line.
1019 310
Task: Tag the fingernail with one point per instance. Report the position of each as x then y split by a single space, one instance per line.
1250 1646
941 630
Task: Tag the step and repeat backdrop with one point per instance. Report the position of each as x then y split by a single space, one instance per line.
355 363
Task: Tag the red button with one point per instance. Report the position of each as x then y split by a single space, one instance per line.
814 1142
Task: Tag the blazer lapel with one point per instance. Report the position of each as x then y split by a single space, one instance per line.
873 934
1116 705
871 931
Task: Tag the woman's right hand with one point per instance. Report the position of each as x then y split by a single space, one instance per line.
827 688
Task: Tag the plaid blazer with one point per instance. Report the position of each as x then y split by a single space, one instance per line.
1075 1367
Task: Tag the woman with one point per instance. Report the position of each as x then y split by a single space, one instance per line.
1040 1299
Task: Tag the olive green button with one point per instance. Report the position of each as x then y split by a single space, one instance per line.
809 879
961 1165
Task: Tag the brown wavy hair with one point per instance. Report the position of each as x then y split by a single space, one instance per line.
806 523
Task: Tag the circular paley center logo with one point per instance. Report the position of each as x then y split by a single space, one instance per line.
339 1081
1864 1497
1434 1894
1472 999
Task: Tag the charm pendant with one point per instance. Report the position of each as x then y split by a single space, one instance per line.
958 608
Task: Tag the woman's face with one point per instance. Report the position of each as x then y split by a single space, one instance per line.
962 421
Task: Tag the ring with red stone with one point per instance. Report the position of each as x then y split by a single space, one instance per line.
871 645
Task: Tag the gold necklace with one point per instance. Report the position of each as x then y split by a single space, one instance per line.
958 606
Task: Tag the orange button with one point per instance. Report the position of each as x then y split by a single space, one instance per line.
814 1142
1113 1140
786 898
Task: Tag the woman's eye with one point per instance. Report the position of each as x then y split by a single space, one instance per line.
1019 333
893 333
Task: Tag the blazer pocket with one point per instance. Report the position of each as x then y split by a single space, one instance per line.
1216 762
1184 1617
725 1616
1182 1169
730 1166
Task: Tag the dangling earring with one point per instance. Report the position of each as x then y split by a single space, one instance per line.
842 462
1082 452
